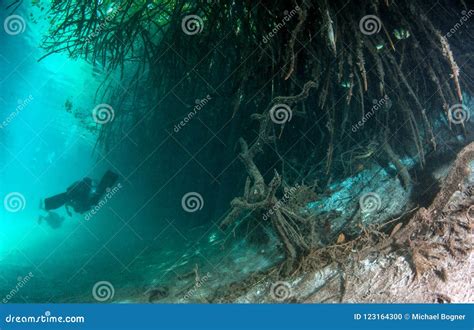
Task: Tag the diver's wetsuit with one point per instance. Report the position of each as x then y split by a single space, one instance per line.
82 195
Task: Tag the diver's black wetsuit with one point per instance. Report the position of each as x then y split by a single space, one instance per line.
82 195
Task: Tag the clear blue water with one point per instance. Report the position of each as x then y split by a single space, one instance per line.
142 238
44 147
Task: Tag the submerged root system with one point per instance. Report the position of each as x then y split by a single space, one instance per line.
326 88
421 257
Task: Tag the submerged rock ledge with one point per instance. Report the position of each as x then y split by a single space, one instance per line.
428 260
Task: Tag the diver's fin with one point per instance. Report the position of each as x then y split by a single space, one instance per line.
55 202
107 181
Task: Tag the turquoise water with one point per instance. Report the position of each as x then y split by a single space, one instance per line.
154 236
131 243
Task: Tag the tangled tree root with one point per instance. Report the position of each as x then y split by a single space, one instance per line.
425 258
336 63
295 230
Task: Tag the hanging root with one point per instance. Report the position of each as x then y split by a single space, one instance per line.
452 63
346 64
262 204
402 170
302 14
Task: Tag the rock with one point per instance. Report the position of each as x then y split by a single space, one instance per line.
158 293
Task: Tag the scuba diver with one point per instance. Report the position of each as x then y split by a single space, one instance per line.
82 195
